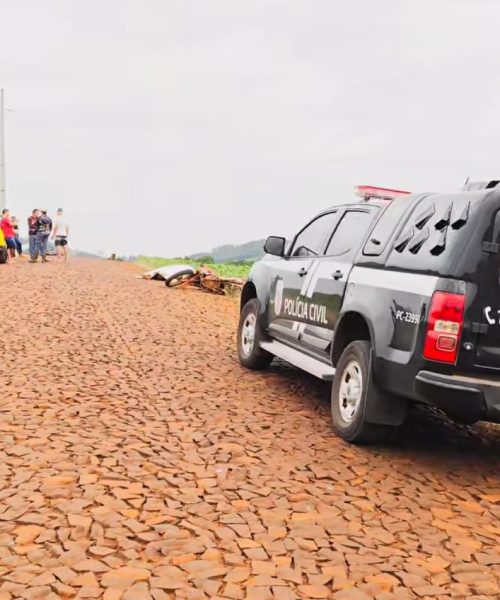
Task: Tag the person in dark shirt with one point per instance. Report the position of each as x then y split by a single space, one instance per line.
33 230
42 236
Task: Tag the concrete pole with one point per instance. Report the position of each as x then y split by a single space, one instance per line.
2 152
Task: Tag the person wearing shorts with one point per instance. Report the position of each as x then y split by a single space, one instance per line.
9 233
60 233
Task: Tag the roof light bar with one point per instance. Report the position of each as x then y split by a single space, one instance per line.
370 191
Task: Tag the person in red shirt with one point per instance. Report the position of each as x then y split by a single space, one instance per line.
8 232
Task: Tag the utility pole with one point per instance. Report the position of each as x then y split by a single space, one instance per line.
2 152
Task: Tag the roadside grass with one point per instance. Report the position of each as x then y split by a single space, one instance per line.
228 269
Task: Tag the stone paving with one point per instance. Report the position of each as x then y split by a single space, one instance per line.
138 460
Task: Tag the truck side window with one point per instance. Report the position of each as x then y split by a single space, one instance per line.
350 232
385 227
311 240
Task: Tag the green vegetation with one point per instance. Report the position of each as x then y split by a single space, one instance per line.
227 261
225 269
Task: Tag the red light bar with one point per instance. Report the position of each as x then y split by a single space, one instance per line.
370 191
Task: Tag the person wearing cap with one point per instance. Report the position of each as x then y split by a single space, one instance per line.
33 230
60 233
42 237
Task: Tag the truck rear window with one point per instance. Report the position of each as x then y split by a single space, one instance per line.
432 230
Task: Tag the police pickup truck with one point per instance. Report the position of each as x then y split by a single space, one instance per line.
395 299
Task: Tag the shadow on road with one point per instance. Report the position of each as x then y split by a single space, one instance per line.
427 432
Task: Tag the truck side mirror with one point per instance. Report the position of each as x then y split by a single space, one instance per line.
275 245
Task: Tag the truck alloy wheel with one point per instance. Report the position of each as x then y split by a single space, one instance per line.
250 353
351 391
351 394
248 333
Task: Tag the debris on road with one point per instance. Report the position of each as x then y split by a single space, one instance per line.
169 272
202 278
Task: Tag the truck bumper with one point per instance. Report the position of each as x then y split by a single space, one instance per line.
473 397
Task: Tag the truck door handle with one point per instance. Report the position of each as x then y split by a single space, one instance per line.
302 272
337 274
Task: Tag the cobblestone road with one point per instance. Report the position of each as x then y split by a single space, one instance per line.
138 460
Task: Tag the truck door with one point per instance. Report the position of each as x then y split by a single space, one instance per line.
286 307
486 304
327 286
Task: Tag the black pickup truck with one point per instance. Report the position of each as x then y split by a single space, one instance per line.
394 299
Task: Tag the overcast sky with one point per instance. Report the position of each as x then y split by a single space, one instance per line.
168 127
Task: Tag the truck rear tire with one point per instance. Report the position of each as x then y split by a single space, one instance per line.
351 394
250 353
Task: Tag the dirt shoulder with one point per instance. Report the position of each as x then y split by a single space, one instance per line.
139 460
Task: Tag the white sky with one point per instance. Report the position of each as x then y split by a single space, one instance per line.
168 127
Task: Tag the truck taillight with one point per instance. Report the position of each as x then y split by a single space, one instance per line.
444 327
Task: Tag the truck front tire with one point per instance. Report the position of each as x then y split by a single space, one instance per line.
249 336
351 395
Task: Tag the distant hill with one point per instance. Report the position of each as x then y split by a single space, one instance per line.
235 252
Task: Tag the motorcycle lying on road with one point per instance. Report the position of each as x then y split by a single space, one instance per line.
202 278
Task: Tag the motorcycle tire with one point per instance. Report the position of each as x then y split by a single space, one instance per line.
179 277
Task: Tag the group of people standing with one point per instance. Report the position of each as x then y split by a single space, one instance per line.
40 229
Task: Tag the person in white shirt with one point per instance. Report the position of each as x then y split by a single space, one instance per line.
61 232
